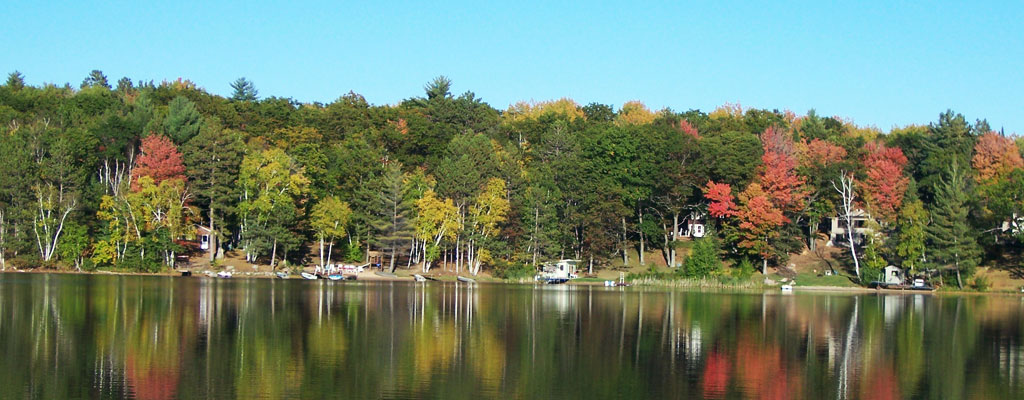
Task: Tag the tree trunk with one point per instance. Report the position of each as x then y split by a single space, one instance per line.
212 239
812 227
641 239
273 256
675 237
625 244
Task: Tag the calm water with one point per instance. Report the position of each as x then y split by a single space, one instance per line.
66 336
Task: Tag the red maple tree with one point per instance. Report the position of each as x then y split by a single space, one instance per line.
720 195
159 160
686 127
884 184
778 176
820 153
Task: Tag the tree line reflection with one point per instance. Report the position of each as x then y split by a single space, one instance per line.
160 338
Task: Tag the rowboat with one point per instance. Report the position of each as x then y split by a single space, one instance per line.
336 277
419 278
224 274
282 275
307 275
465 279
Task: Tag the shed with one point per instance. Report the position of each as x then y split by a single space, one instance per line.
892 275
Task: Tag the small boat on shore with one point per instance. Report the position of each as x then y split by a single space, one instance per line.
465 279
186 273
787 288
282 275
419 278
224 274
336 277
307 275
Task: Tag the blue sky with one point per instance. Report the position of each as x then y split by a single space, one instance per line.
886 64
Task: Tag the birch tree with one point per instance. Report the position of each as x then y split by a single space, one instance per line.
845 189
329 219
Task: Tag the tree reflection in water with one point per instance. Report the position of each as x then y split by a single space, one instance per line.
69 336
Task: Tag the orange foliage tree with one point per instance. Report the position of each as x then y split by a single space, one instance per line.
994 157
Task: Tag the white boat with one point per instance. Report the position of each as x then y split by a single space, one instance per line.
465 279
308 275
787 288
224 274
419 278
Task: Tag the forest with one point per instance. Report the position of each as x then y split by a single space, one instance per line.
121 176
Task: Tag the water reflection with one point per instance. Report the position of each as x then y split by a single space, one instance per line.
160 338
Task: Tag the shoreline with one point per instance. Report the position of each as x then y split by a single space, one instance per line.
368 276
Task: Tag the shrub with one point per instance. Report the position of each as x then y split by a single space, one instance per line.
703 260
981 283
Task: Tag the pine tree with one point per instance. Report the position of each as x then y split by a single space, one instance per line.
212 160
244 90
952 239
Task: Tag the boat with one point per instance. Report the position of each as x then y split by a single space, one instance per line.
307 275
336 277
557 272
419 278
787 288
224 274
186 273
465 279
282 275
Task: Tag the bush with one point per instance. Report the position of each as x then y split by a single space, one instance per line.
703 260
981 283
512 270
744 270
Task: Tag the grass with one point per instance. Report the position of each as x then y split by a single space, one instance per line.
811 279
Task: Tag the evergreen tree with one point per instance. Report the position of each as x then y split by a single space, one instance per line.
212 160
183 120
244 90
953 241
95 79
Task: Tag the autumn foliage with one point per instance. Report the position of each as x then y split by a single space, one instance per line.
159 160
720 196
778 176
884 184
820 153
994 157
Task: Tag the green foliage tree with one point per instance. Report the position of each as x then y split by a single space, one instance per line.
329 219
95 79
244 90
703 260
212 162
952 239
183 120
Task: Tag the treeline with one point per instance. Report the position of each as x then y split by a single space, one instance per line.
119 176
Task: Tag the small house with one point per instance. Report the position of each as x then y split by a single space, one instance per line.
204 237
860 220
892 275
693 227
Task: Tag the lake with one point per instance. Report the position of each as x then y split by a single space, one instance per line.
146 337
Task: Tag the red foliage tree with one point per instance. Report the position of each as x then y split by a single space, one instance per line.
159 160
994 157
819 153
720 195
686 127
778 176
884 185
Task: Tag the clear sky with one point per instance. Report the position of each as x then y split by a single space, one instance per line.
885 64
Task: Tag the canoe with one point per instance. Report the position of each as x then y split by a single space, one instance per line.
335 277
308 275
465 279
224 274
282 275
419 278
